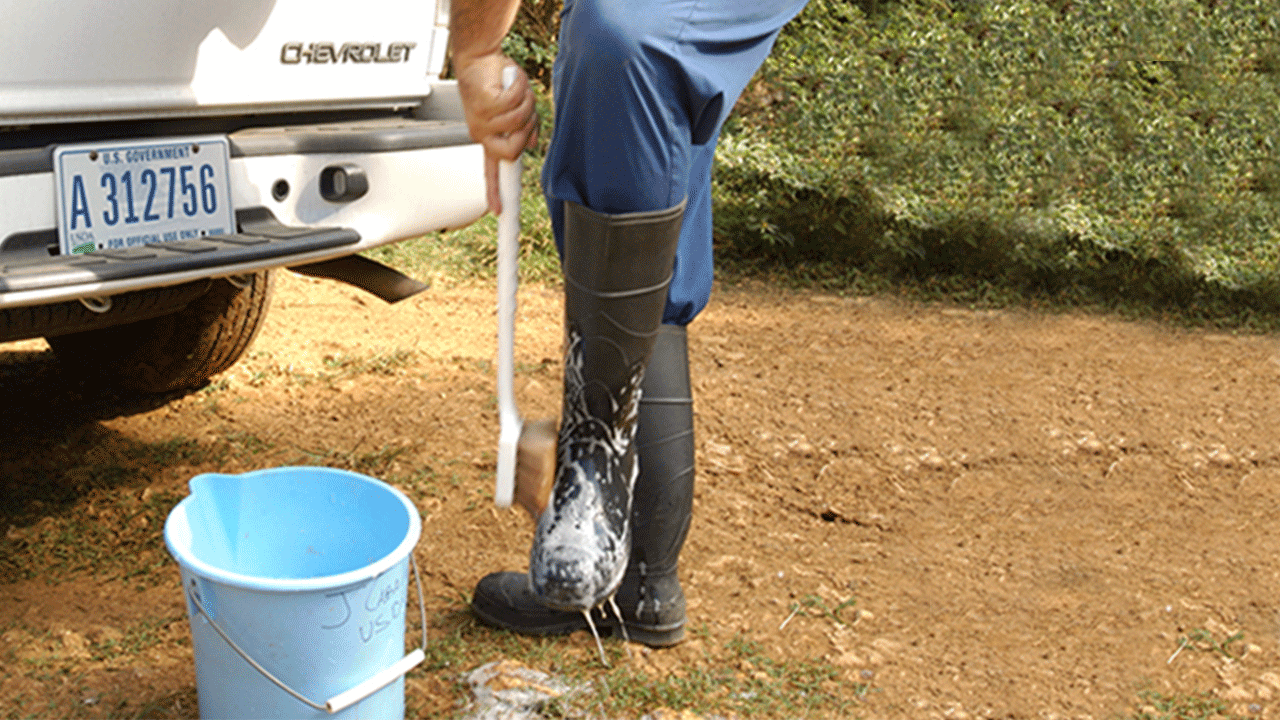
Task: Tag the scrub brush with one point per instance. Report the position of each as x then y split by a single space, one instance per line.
526 450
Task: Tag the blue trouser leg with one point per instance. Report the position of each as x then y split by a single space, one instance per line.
642 89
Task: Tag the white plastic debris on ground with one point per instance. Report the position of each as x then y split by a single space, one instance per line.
508 690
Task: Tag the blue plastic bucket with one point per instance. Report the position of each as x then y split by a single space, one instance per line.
296 582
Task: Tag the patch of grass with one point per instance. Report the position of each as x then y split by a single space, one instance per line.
1202 706
135 639
174 451
541 366
483 366
734 678
71 689
178 705
78 520
85 506
738 678
374 463
456 257
106 534
911 139
814 606
343 365
421 482
246 445
1203 640
257 378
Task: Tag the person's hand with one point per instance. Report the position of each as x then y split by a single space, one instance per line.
504 121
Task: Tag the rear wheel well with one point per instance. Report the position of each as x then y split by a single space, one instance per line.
177 351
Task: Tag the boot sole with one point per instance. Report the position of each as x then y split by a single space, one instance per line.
657 637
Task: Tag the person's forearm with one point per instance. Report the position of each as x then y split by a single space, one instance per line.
477 27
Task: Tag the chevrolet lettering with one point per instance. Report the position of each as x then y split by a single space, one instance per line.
320 53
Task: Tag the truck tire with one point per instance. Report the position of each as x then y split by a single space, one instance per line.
20 323
178 351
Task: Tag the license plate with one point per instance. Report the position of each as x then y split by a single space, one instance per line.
128 193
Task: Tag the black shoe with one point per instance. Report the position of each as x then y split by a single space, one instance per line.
504 600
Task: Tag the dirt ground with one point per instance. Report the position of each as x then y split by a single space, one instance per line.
1023 515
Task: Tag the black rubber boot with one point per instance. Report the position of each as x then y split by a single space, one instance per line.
650 596
616 271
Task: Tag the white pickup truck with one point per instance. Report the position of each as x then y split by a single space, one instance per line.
159 158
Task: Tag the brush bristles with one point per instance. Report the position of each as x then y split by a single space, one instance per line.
536 465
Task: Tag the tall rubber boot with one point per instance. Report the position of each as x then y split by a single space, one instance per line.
650 596
616 271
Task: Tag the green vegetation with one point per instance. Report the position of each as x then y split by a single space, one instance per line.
1106 151
1196 706
137 638
1204 641
109 534
736 678
1156 706
1108 154
1115 155
375 463
815 607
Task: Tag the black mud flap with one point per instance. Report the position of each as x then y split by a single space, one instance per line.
369 275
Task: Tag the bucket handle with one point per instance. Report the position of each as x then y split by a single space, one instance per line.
345 699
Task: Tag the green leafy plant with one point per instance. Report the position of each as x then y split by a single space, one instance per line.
1157 706
1203 640
815 606
533 39
1026 142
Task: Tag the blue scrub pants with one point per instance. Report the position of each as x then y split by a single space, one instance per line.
642 88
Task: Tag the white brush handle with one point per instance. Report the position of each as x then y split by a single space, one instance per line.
508 279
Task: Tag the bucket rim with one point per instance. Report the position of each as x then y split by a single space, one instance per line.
401 553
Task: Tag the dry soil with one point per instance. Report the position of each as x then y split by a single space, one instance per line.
1024 515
